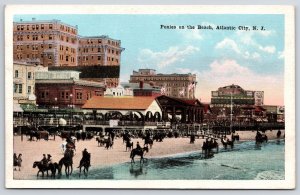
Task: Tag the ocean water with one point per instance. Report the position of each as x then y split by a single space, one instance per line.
245 161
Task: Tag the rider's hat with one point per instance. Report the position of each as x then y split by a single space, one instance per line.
49 155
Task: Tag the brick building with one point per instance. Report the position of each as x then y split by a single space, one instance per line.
64 89
56 44
49 43
173 85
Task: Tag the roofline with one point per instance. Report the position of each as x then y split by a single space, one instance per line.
45 21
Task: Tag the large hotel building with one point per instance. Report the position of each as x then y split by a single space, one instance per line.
53 43
173 85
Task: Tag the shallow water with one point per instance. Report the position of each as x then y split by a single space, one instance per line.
245 161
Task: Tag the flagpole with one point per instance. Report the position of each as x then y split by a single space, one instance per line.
230 112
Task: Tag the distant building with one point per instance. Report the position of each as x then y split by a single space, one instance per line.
142 89
24 84
173 85
118 91
236 95
64 89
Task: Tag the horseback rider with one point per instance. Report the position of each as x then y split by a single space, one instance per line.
44 160
138 147
85 157
49 160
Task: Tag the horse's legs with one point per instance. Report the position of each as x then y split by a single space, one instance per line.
71 169
80 171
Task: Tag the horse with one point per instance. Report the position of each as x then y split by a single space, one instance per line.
208 146
129 145
18 162
259 138
139 152
100 141
85 163
108 142
67 161
227 142
45 168
148 141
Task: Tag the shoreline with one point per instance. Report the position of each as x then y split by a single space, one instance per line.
101 158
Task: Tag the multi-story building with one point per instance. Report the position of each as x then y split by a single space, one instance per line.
64 89
49 43
173 85
99 50
234 94
24 83
56 44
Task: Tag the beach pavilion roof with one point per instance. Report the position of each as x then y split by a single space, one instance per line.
119 103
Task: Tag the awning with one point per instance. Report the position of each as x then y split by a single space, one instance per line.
17 108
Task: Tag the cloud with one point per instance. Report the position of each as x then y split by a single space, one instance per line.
268 49
280 54
227 72
228 44
165 58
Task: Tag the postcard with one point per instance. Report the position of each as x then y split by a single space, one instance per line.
151 97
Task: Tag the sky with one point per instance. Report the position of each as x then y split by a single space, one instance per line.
252 59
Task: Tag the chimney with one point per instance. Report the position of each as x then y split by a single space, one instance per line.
141 84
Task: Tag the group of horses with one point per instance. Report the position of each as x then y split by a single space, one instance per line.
66 161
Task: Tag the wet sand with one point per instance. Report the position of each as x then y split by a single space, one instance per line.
33 151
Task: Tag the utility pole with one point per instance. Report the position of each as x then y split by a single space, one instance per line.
230 112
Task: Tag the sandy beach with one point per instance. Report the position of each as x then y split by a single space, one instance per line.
33 151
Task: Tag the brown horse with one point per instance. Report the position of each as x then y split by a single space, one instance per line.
67 161
139 152
45 168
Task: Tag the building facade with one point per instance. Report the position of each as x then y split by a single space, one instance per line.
234 94
49 43
99 50
24 83
142 89
53 43
173 85
64 89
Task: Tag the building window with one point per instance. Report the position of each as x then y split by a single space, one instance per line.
29 90
28 37
50 26
67 48
33 27
18 27
27 27
50 57
42 26
67 58
99 57
99 49
67 95
79 96
37 27
20 88
50 37
29 76
50 46
16 73
62 95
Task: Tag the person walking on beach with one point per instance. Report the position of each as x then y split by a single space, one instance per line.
278 134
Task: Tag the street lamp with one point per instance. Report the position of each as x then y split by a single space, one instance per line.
55 107
71 106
